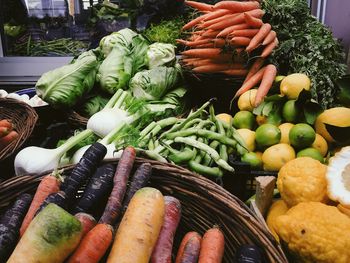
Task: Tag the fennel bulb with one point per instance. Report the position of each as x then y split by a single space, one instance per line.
34 160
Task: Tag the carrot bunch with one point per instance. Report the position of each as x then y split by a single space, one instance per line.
224 38
7 134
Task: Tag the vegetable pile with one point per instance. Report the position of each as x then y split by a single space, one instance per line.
306 46
58 228
230 38
7 133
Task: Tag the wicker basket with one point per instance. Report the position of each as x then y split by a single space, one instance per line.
204 204
24 119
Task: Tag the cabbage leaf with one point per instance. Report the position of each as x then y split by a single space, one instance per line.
160 54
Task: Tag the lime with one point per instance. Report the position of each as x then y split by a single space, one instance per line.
293 84
285 129
311 152
320 144
290 112
246 100
224 117
253 159
302 135
267 135
244 119
276 156
249 138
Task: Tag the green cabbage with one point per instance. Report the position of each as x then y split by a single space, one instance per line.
153 84
122 38
65 86
93 105
139 47
160 54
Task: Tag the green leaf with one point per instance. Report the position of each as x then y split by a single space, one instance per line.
258 110
65 86
339 134
344 90
311 111
267 108
276 98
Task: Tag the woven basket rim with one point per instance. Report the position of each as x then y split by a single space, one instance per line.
24 118
249 222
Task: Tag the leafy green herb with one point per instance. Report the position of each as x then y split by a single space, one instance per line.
306 46
165 31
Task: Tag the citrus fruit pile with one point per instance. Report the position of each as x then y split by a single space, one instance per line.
272 143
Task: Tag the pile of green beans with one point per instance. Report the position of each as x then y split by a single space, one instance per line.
200 142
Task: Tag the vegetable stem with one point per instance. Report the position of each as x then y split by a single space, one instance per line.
114 99
71 142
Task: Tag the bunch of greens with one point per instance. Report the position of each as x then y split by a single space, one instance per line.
306 46
167 31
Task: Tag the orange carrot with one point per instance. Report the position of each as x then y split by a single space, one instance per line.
199 6
6 140
217 13
210 33
217 20
211 68
203 53
225 32
240 41
194 22
212 246
245 33
269 38
253 21
254 68
209 45
235 72
6 124
254 80
94 245
184 241
269 48
48 185
190 60
236 6
200 62
239 19
219 42
192 43
4 131
266 83
258 38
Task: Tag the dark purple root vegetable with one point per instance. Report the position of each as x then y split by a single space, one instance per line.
248 254
80 174
114 204
163 250
10 224
84 169
138 181
99 187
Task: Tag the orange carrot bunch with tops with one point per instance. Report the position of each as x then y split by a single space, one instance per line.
228 37
7 133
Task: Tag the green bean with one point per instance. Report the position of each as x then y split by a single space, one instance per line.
202 146
205 170
188 119
192 123
203 133
167 122
151 144
207 159
222 147
179 157
237 137
152 155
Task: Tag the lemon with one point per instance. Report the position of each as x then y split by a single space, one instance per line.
302 135
293 84
320 144
285 129
290 112
339 116
267 135
249 138
276 156
311 152
246 100
244 120
253 159
224 117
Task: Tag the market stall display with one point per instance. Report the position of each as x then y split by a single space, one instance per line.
259 89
